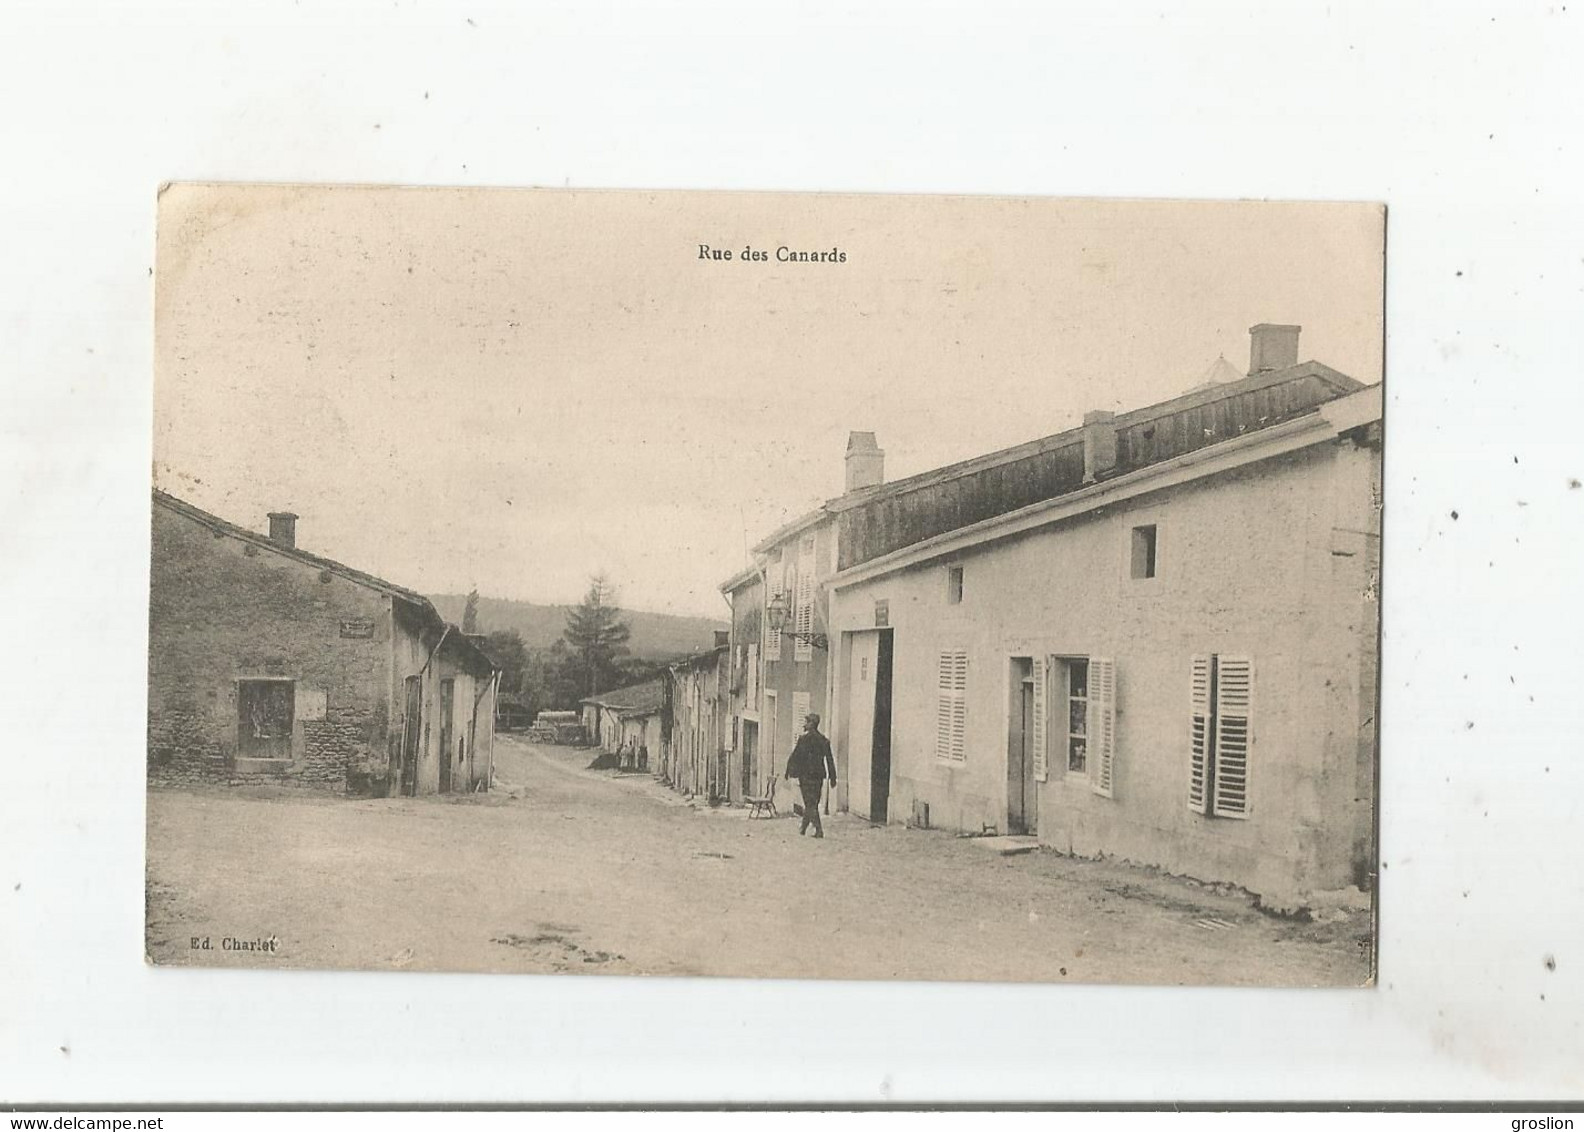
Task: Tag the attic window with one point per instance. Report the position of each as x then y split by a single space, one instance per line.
954 585
1143 565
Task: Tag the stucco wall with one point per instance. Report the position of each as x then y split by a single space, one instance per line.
789 676
223 610
1273 562
470 722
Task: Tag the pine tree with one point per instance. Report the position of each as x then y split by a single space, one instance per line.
470 612
596 636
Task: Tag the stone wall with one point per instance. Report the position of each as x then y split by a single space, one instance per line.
224 610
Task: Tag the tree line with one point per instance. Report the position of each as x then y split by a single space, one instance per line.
591 656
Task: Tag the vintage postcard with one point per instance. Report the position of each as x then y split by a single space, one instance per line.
758 585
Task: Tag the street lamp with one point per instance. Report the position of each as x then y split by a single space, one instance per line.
776 611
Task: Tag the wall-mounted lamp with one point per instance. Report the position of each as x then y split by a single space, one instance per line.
776 611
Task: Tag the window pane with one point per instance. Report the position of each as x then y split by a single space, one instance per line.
1077 754
1078 717
1078 677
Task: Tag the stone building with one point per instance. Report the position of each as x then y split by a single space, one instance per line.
268 664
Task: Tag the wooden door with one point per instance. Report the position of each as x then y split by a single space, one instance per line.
447 696
1020 752
412 731
858 757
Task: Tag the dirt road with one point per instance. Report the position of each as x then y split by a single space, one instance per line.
562 869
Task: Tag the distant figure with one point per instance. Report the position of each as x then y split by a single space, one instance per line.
628 754
810 764
643 756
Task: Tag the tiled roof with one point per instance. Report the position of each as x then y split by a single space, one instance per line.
424 606
635 699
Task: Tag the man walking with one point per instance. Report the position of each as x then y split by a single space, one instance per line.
810 764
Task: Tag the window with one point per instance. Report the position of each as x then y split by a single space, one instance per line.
1220 735
775 578
954 585
1075 712
951 713
803 649
265 717
1144 551
1077 716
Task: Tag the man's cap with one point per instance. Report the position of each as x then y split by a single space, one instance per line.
814 715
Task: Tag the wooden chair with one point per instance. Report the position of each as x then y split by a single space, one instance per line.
763 805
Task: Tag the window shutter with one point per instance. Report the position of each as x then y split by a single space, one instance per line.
1234 717
1102 726
1037 739
951 716
1198 734
775 578
804 606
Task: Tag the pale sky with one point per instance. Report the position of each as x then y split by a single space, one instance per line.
512 389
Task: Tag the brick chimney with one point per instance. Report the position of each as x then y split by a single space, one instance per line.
1100 444
865 461
1272 347
283 529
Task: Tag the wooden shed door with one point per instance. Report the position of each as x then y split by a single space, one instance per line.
447 695
412 729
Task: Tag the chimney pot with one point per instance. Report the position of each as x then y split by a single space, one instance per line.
283 529
1100 444
865 461
1272 346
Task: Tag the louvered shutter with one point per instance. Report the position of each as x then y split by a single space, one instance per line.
804 609
1198 734
776 579
951 715
1037 738
1234 735
1102 726
943 707
800 709
960 711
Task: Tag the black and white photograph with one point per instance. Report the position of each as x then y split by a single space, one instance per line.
765 585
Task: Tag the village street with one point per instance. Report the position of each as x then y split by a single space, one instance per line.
562 869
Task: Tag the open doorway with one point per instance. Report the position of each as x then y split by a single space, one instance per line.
1022 798
880 747
866 733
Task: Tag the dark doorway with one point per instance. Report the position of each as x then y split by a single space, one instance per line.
1022 803
265 710
412 729
880 746
447 694
750 772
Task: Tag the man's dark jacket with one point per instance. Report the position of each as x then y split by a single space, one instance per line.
811 758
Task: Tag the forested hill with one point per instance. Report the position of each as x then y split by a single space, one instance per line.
653 634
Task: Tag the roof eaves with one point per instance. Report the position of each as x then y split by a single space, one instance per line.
740 579
795 527
1302 431
1342 383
